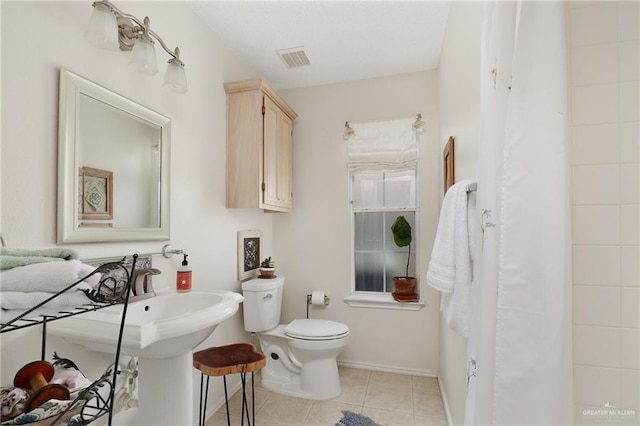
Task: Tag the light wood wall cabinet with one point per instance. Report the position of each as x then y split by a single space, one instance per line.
259 147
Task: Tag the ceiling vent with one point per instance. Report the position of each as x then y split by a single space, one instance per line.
294 57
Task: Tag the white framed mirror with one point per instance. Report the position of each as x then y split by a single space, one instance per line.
113 166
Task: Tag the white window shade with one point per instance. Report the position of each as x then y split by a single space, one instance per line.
383 145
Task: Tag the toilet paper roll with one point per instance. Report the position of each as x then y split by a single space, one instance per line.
317 297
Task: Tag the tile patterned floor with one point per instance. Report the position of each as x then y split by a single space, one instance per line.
387 398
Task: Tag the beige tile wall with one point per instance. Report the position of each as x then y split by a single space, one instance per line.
603 63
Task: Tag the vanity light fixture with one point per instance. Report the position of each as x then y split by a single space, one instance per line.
110 28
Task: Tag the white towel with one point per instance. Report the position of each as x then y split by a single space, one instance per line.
48 277
442 267
12 258
450 268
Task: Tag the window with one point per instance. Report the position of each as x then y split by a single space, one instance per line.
377 199
382 158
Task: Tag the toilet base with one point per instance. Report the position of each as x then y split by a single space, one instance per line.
327 387
300 368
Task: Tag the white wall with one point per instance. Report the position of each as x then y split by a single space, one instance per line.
313 243
32 55
459 77
603 58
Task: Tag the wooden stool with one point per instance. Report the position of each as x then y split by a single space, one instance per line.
231 359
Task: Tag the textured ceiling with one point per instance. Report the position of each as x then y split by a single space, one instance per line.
344 40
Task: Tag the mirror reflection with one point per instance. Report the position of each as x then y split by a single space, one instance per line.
121 161
113 166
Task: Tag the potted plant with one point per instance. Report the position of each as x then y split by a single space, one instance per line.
405 287
267 268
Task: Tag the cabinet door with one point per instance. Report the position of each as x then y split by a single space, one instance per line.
270 141
285 160
277 156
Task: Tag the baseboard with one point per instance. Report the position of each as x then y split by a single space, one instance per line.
387 368
445 403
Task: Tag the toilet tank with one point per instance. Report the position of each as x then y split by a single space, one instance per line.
262 303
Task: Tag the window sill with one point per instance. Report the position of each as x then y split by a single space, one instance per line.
380 301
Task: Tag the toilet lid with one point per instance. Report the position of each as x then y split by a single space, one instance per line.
316 329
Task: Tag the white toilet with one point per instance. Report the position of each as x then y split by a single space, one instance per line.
301 355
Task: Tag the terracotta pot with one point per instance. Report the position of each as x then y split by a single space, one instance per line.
267 272
405 285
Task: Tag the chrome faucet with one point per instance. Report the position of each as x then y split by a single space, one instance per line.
142 287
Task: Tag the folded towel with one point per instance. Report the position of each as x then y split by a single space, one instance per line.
450 269
49 277
12 258
20 300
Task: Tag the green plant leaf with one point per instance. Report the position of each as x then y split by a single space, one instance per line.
401 232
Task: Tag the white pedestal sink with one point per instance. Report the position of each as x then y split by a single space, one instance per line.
161 331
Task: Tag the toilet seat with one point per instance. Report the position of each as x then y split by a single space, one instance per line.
316 329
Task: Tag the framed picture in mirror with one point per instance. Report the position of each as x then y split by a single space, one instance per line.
96 194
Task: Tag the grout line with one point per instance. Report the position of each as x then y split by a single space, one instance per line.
628 369
608 327
575 284
413 401
620 190
619 203
603 123
306 417
602 245
598 285
366 392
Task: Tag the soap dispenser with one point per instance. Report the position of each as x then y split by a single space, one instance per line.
183 277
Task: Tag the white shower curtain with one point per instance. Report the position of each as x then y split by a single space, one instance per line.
519 364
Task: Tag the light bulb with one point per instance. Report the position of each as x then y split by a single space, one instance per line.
143 56
175 79
102 30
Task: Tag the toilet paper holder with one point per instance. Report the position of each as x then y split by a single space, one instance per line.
326 300
309 296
